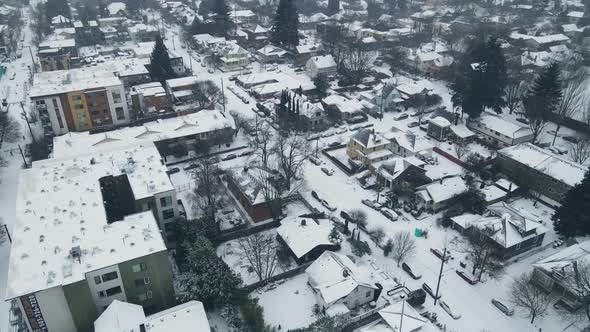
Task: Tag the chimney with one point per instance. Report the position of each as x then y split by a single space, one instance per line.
142 328
303 222
345 273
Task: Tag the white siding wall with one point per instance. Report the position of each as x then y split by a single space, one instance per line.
95 288
123 103
52 111
160 209
55 310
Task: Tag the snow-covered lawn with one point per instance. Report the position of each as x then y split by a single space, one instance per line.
289 305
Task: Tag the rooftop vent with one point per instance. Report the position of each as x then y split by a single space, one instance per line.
76 253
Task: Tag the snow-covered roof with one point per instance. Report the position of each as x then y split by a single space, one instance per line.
563 260
60 19
415 87
544 161
149 89
575 14
115 7
57 43
307 48
127 317
393 168
412 320
507 186
324 61
440 122
273 82
335 276
559 37
409 140
62 81
444 189
242 13
344 104
369 139
181 81
501 125
203 121
571 28
303 234
462 131
270 50
306 108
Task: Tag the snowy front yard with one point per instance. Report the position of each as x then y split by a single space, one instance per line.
289 305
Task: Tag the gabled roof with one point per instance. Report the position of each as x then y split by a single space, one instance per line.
303 235
368 138
444 189
412 320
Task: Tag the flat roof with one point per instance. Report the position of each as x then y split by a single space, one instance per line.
73 143
63 81
59 206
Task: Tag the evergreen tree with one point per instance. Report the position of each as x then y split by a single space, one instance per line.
572 218
222 18
547 87
333 7
285 30
321 84
160 66
481 79
57 7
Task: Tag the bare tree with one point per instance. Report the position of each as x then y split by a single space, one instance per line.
404 246
207 184
585 116
580 150
358 217
259 251
241 121
262 143
483 253
461 150
271 189
205 94
9 128
356 62
514 94
573 95
2 232
291 151
578 283
528 297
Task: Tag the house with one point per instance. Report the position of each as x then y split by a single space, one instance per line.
60 21
232 56
368 147
305 52
557 273
540 42
540 170
89 230
243 17
460 134
257 36
143 33
512 230
306 238
128 317
303 114
408 144
440 194
56 54
438 128
407 90
324 65
401 174
250 193
398 317
181 89
270 84
498 131
337 281
149 98
340 108
87 34
271 54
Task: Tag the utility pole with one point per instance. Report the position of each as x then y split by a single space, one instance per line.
27 120
32 59
223 95
23 155
401 319
7 233
442 264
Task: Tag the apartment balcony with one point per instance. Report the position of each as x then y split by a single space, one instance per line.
41 107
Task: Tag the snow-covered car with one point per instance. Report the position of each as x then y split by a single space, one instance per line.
246 152
389 214
402 116
191 166
355 127
425 121
409 270
315 161
211 70
173 170
313 137
466 277
449 311
413 124
229 157
439 254
502 307
327 205
328 171
328 133
341 130
430 291
370 204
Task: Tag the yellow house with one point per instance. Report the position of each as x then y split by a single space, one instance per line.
77 101
368 147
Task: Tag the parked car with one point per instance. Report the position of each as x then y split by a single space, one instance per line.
327 205
370 204
425 121
328 133
191 166
327 171
341 130
439 254
401 116
173 170
246 152
424 127
211 70
417 212
313 137
447 308
408 270
466 277
502 307
413 124
523 120
429 290
571 139
229 157
389 214
415 113
315 161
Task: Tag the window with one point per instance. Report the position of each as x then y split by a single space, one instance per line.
142 297
113 291
59 120
78 106
120 113
139 283
368 294
97 280
77 97
166 201
116 97
168 213
138 267
40 102
101 294
54 103
109 276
